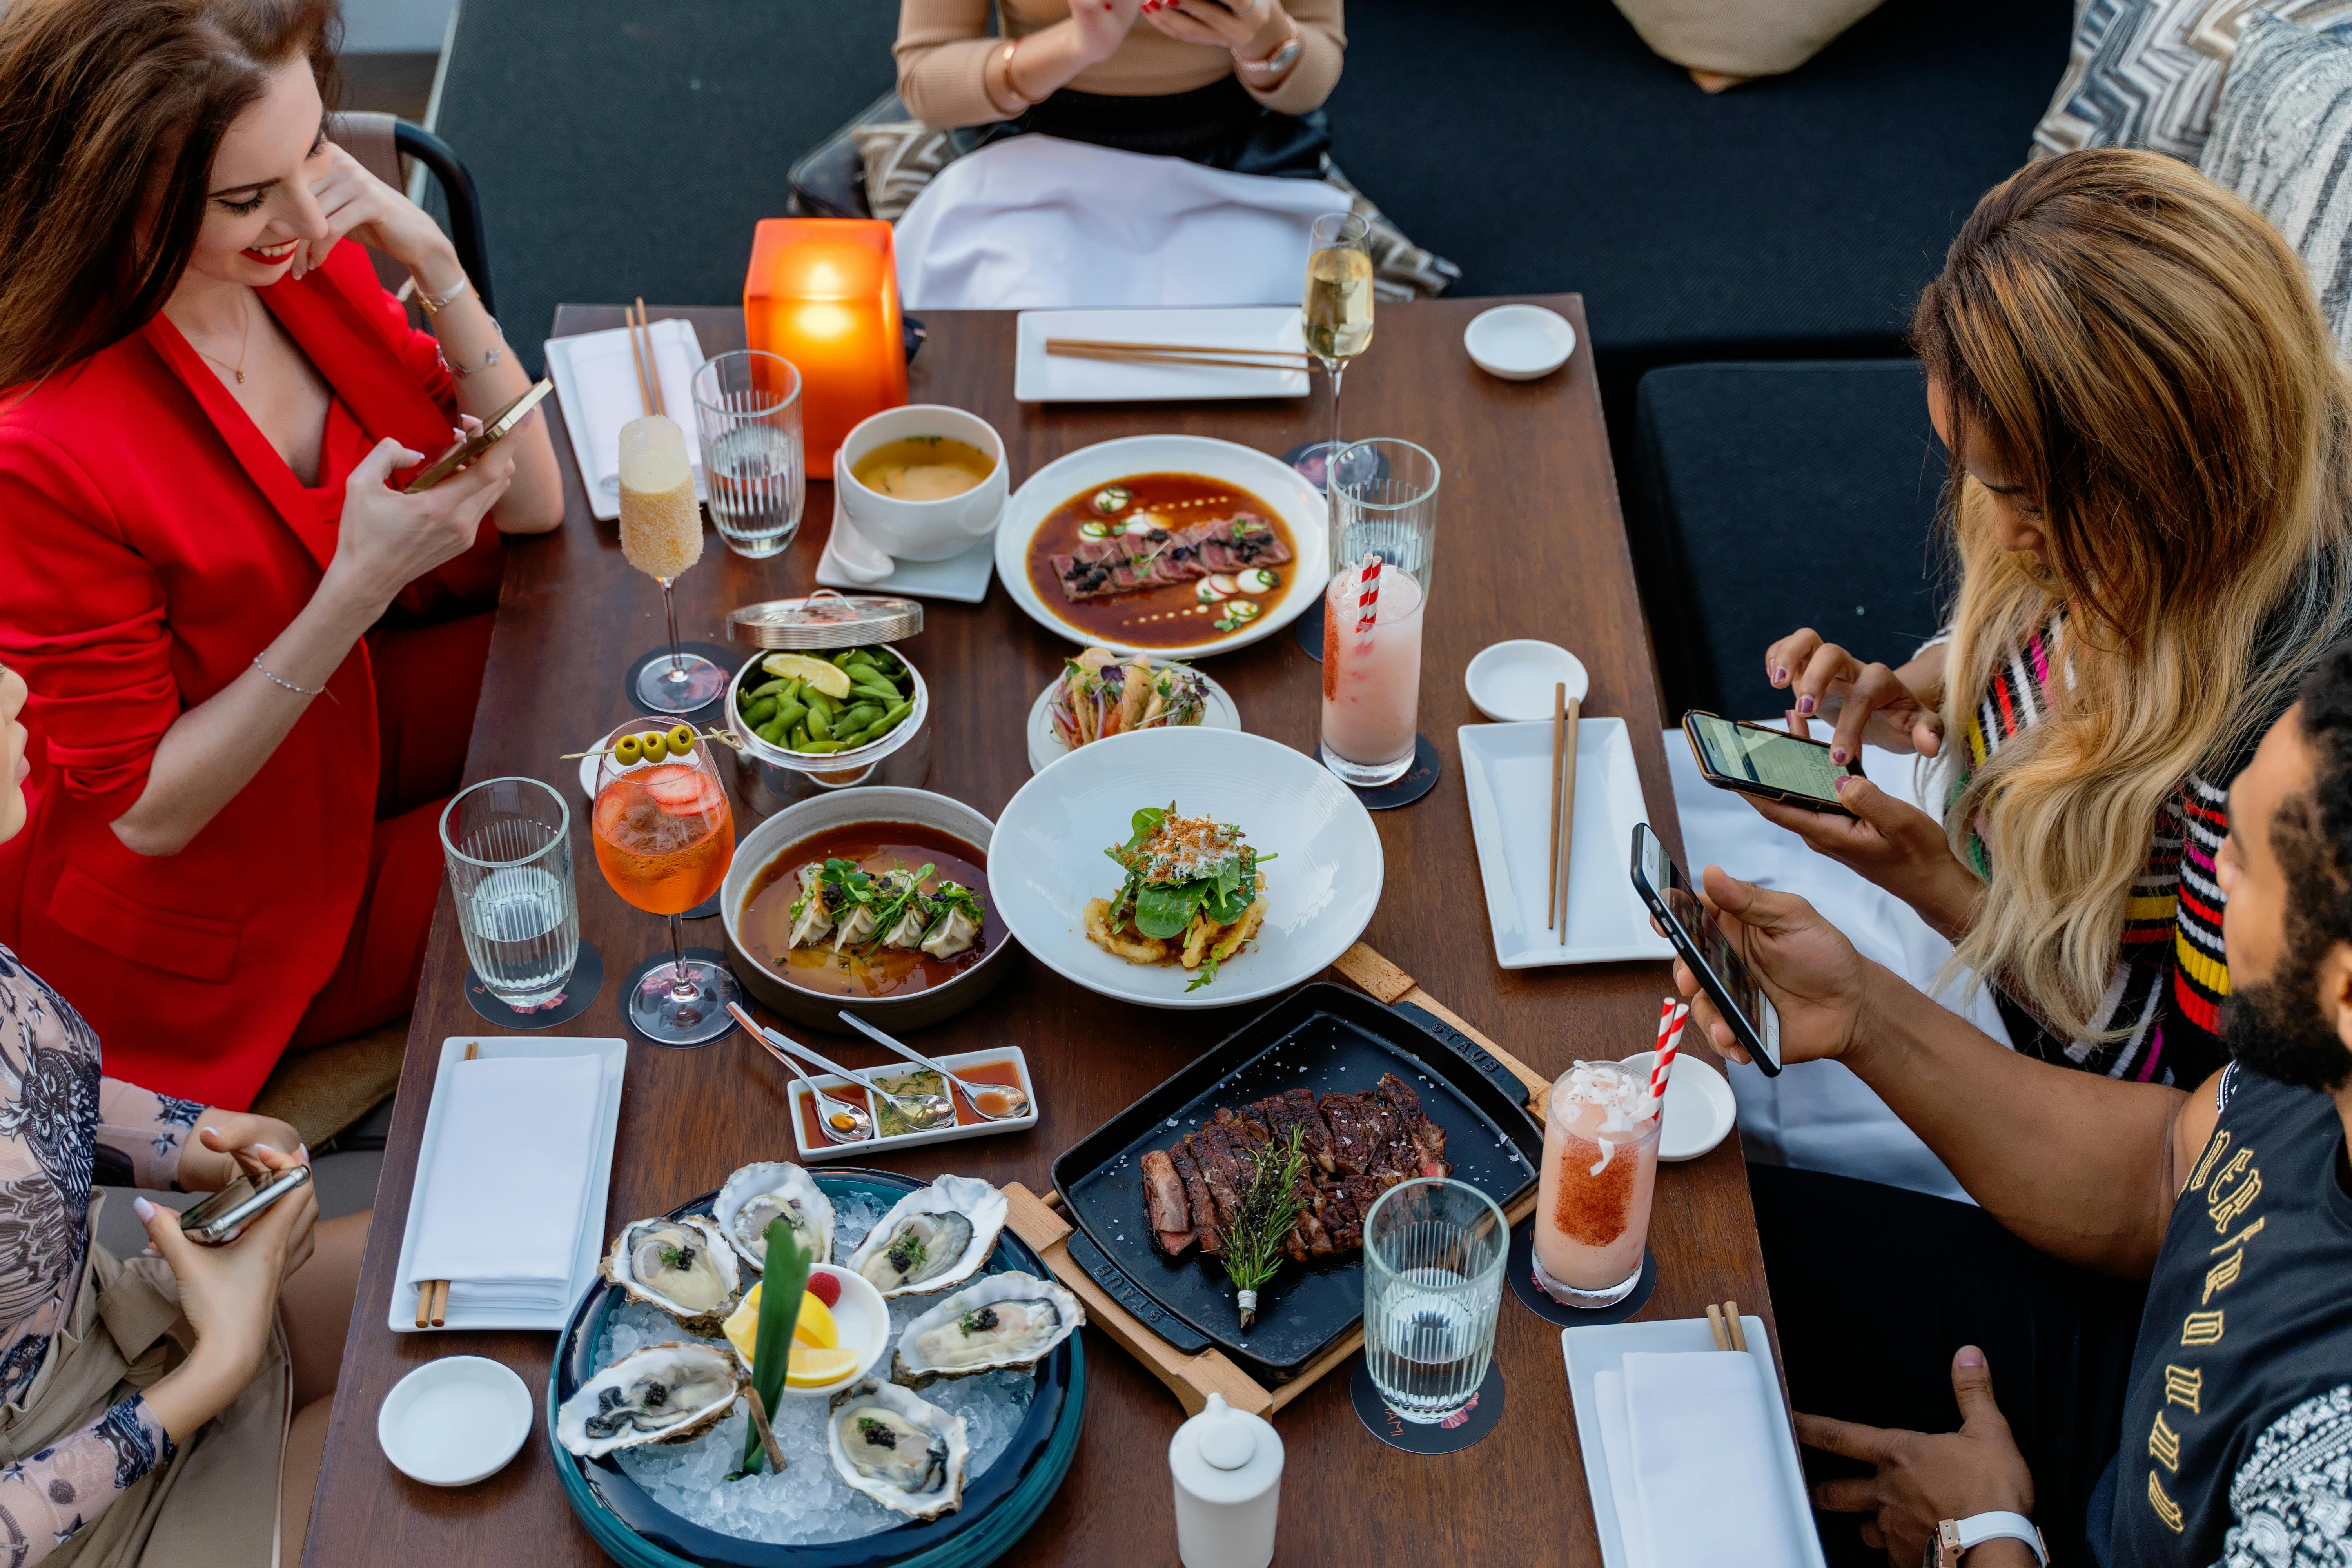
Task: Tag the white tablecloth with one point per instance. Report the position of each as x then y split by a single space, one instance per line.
1036 221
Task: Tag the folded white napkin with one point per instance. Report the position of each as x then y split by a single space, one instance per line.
1697 1463
606 378
500 1206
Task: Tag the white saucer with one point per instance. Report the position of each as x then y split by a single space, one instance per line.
963 578
454 1421
1699 1107
1511 682
1519 342
1217 712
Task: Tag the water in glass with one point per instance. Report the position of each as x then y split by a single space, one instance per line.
507 845
1434 1253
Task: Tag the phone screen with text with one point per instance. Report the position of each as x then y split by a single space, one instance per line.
1767 757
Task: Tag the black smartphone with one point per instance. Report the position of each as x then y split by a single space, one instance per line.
222 1217
1702 945
1754 759
495 428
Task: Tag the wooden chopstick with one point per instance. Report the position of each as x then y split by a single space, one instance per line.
1714 1326
1116 358
1559 730
433 1295
1062 345
1722 1322
661 402
1566 826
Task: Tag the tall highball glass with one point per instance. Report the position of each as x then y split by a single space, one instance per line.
1433 1256
1384 501
507 845
748 404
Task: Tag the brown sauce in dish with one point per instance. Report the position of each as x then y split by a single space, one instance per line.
766 926
1170 615
986 1073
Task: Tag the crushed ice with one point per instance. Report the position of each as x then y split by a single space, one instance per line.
809 1502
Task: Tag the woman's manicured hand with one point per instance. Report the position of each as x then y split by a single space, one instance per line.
1102 25
1233 25
1814 978
1922 1479
388 540
230 1293
1869 702
220 1151
356 204
1893 844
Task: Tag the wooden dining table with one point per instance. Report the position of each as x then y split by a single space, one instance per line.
1532 543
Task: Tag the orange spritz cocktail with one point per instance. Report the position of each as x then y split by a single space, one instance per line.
663 840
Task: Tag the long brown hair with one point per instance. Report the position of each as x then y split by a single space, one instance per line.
2140 353
111 112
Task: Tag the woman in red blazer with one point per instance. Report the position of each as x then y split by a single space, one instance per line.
251 663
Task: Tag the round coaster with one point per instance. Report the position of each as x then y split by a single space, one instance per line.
662 961
724 657
1521 1270
1457 1431
1418 780
703 910
587 980
1307 458
1308 629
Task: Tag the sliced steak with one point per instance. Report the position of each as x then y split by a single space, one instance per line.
1222 1168
1199 1205
1301 1103
1233 543
1353 1142
1170 1215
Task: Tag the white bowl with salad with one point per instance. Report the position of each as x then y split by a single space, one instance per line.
1100 696
1186 867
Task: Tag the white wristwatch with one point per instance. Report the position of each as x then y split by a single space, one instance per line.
1953 1537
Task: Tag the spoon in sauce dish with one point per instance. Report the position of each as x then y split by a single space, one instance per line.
838 1119
922 1111
993 1101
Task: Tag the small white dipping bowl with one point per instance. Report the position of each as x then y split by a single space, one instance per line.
1699 1106
454 1421
1519 342
1511 682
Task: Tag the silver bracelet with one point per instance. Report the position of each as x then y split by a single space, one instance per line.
496 352
434 306
276 680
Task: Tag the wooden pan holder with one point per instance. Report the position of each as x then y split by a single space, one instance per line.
1193 1378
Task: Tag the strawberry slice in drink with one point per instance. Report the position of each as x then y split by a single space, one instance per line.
682 791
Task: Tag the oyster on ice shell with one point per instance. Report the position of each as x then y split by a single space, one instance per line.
933 1238
682 1266
663 1393
758 1194
1004 1321
899 1449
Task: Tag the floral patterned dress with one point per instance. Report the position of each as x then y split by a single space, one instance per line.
62 1126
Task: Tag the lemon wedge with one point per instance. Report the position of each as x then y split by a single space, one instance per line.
743 1325
825 678
812 1367
812 1330
815 1326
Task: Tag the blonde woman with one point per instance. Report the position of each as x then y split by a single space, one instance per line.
2150 493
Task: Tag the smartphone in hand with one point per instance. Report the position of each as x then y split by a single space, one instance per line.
1769 763
1722 973
495 428
222 1217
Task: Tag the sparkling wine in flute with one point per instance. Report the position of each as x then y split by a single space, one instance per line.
661 536
1338 304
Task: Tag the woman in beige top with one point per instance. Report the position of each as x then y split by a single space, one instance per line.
1235 84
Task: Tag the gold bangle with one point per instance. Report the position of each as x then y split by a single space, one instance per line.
1013 87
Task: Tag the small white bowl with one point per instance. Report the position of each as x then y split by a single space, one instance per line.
1511 682
1519 342
864 1319
1699 1106
454 1421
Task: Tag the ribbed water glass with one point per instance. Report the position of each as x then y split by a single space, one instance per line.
748 406
507 845
1434 1255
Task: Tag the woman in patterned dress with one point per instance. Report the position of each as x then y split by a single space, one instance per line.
2151 496
145 1405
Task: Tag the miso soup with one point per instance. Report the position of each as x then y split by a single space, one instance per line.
923 467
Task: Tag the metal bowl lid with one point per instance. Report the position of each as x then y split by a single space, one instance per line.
826 619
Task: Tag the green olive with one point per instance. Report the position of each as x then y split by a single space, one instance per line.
656 747
628 752
681 739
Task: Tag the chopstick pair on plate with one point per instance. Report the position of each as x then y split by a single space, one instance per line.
433 1295
650 390
1722 1322
1180 353
1565 711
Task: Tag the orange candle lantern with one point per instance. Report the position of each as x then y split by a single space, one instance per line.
824 293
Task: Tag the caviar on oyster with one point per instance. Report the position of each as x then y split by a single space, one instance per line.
664 1393
1002 1322
899 1448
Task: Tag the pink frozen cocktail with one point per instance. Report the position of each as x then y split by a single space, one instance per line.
1371 678
1599 1169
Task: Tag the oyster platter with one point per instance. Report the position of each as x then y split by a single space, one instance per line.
934 1377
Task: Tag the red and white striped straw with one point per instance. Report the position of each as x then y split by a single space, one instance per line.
1368 596
1671 1015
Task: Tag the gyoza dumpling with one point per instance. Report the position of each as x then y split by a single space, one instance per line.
954 928
856 928
811 919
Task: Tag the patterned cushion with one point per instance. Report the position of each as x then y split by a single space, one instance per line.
2143 73
900 157
2282 139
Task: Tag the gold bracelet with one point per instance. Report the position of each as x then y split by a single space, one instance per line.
434 306
1013 87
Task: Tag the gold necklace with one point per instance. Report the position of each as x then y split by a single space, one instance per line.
244 345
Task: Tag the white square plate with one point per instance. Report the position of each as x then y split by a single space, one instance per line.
1506 769
1041 377
796 1097
591 1245
963 578
1603 1349
675 346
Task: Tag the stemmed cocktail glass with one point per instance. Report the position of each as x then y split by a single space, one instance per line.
665 835
1337 312
661 535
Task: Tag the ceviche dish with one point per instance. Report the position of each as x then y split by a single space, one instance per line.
1098 697
1193 894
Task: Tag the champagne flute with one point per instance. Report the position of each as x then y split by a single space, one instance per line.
1338 314
663 839
661 535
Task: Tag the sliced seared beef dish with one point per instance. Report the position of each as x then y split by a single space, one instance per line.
1358 1146
1125 562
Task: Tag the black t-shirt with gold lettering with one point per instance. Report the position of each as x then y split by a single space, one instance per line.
2237 1433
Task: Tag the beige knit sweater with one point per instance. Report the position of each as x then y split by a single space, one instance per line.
943 45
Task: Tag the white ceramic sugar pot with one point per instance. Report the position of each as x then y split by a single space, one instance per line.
1227 1466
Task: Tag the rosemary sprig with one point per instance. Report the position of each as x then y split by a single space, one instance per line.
1269 1211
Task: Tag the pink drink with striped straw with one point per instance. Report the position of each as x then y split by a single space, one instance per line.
1600 1172
1372 672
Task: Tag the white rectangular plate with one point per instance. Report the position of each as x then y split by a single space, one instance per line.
797 1097
1041 377
606 508
1603 1349
615 1054
1506 769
